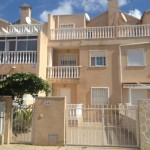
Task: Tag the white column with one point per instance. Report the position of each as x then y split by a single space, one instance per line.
130 93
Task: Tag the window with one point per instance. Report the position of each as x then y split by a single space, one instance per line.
99 96
135 57
97 58
67 59
12 45
21 45
32 45
2 45
67 26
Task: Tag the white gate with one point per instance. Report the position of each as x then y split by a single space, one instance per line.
2 117
22 124
101 126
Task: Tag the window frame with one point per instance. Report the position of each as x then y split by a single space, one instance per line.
90 58
99 99
136 50
7 41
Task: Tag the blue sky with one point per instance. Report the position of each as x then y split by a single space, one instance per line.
9 9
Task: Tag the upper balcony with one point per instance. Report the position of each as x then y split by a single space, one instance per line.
127 31
21 29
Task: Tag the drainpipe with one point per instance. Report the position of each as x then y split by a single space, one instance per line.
120 62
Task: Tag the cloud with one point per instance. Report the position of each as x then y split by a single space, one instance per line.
64 8
68 7
123 2
136 13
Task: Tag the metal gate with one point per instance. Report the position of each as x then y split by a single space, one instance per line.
21 124
2 117
105 125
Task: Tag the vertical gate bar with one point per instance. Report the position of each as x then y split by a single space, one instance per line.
137 126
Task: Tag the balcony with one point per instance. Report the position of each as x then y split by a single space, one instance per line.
18 57
108 32
22 29
83 33
63 72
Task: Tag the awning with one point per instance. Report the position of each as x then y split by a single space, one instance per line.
136 85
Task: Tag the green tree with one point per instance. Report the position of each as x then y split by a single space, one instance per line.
18 84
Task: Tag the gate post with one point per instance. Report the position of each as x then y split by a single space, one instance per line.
144 124
8 101
49 121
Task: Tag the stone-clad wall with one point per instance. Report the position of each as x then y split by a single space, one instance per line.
144 124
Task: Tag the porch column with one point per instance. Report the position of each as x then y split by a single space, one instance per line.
130 98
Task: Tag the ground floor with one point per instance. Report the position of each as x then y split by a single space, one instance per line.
100 94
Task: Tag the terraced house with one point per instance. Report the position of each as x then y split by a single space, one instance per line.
103 60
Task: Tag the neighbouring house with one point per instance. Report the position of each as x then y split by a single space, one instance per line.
103 60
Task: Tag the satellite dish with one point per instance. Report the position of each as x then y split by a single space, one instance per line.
124 17
87 17
4 30
28 20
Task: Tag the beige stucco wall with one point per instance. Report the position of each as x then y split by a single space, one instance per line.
7 69
42 55
99 76
71 86
99 21
146 17
49 121
3 24
137 73
78 20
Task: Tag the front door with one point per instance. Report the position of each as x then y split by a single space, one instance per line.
65 92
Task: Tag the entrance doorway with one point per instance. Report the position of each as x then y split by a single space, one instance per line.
65 92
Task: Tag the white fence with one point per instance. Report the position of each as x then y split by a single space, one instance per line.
19 57
102 126
63 72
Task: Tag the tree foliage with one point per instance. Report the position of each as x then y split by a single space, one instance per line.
18 84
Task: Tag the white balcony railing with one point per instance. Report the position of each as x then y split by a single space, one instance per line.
101 32
83 33
18 57
63 72
134 31
22 29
